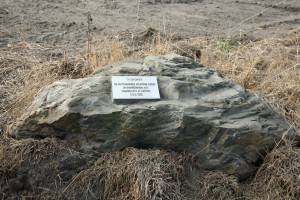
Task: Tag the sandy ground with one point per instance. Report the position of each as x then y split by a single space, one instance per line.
64 22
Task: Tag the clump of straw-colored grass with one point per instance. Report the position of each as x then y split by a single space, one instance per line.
130 174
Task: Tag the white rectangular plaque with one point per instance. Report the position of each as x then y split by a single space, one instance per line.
134 87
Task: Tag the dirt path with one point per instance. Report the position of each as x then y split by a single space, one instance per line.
63 22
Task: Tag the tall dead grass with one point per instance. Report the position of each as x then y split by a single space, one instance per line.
23 73
130 174
34 169
21 168
270 67
279 175
210 185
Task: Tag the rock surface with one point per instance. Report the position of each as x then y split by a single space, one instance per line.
223 126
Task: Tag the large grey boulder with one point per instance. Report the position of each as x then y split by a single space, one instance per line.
221 124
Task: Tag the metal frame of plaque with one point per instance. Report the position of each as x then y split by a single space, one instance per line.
134 87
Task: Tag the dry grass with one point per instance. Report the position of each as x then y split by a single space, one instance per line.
268 67
279 175
26 165
141 175
209 185
130 174
217 185
30 168
23 73
135 174
13 152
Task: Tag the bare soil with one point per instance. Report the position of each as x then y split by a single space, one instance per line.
63 22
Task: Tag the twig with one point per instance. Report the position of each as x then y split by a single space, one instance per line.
89 37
